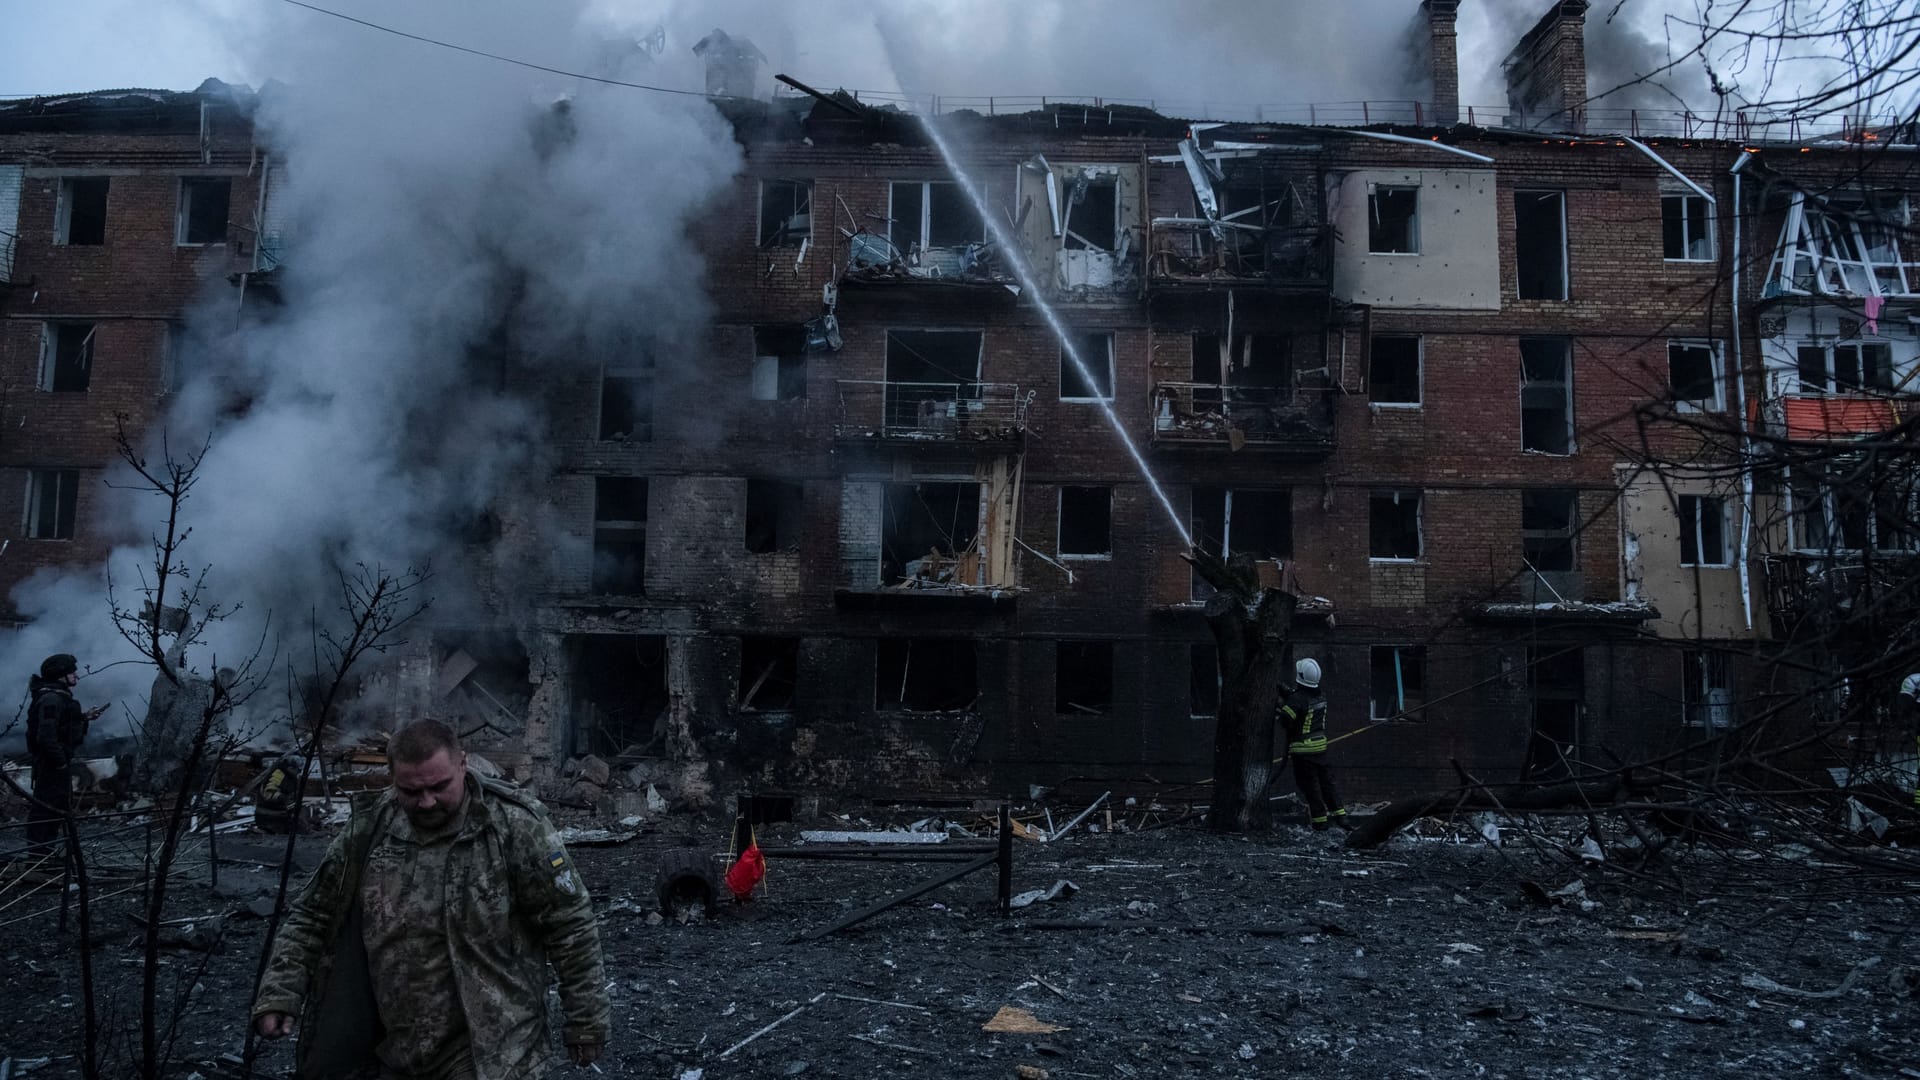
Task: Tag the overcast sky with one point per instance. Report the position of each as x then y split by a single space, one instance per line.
1217 50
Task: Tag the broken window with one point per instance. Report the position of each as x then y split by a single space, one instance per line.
1093 214
932 214
1686 228
1095 350
626 404
769 672
786 212
1393 220
780 362
202 216
1083 678
80 214
53 496
1549 521
1838 515
1844 245
1703 530
66 356
925 674
620 535
1393 525
1203 683
483 677
1234 521
1846 368
617 694
1086 520
1393 371
773 516
1705 694
933 379
927 533
1264 360
1397 681
1546 395
1693 374
1557 686
1540 244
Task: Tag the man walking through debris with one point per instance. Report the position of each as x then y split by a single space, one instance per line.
56 726
1909 709
1303 714
422 941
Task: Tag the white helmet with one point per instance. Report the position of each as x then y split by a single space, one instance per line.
1306 672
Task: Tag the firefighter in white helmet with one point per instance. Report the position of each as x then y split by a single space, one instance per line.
1303 715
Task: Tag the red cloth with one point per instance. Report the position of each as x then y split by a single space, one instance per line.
747 872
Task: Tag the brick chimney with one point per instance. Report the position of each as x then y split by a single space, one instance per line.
1547 71
1444 55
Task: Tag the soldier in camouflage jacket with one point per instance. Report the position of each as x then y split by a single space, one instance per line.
460 895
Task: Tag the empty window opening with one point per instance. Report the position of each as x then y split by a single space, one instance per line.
932 214
1086 522
1083 678
1203 683
1393 525
619 535
1556 681
1549 522
1093 215
1846 368
1703 530
1693 374
1393 371
925 675
617 694
203 210
1241 521
1540 244
53 495
1835 515
1393 220
769 672
482 677
1706 695
780 363
933 379
928 532
1264 360
1096 352
66 357
773 516
80 218
786 212
626 404
1546 395
1397 678
1686 228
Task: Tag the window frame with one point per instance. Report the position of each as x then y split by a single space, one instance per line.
788 242
1419 371
1687 199
1716 403
1566 247
1419 525
1374 191
1060 524
1570 533
1065 368
1698 668
1402 714
1690 524
1565 385
66 504
1825 498
183 212
1830 369
63 211
48 378
923 230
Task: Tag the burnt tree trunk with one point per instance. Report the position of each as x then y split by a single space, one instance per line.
1250 626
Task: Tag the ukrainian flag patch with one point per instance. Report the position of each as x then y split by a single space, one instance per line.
558 859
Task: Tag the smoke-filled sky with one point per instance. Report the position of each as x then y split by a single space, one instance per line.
1231 51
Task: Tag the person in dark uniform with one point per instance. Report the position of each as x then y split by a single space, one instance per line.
1303 715
56 726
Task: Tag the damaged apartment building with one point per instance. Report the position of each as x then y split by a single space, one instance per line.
1478 388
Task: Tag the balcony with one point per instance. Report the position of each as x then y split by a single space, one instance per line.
1287 420
1183 253
1836 417
931 412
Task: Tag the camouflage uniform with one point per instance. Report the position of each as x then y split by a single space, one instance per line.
510 903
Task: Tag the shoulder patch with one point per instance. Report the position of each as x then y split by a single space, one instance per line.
557 860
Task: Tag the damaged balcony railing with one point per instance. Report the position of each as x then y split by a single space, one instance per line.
1273 417
953 412
1185 251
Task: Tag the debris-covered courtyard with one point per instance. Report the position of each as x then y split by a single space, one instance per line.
1174 952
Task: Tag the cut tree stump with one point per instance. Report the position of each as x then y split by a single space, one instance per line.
1250 627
